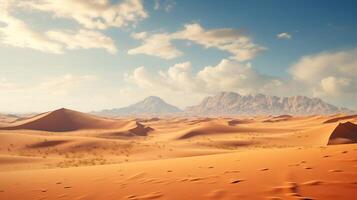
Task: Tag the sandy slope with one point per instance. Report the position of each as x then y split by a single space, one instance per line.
263 157
291 173
66 120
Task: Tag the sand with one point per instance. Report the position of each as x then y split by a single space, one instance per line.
66 154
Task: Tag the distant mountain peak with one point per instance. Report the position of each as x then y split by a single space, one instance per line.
153 99
152 106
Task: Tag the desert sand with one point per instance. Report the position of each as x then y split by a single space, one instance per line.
66 154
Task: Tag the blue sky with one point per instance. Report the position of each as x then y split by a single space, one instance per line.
57 60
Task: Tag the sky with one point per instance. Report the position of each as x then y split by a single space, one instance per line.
100 54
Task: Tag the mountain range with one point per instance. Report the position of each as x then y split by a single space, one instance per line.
230 103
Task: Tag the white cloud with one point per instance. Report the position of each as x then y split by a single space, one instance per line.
83 39
232 41
179 76
334 86
17 33
234 76
158 45
313 68
92 14
141 78
139 35
285 36
329 75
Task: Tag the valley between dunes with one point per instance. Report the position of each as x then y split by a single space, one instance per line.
66 154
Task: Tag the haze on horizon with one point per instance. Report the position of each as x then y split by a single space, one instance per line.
92 55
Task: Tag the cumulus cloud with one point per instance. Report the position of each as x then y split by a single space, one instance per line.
333 86
92 14
285 36
227 75
139 35
158 45
234 76
83 39
330 75
15 32
229 40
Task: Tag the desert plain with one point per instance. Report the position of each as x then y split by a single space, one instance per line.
65 154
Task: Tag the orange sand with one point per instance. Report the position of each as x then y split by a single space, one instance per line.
70 155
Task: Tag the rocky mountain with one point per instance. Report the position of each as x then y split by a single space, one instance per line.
230 103
151 106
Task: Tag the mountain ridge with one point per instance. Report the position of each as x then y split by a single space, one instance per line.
231 103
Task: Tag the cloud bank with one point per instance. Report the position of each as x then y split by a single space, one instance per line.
329 75
92 14
233 41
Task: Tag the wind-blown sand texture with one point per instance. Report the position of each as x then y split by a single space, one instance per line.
66 154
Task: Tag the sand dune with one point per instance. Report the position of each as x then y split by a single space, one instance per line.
219 128
289 157
63 120
344 133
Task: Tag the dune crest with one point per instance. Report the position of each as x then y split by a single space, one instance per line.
336 119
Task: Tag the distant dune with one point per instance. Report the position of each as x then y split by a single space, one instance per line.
63 120
279 118
336 119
